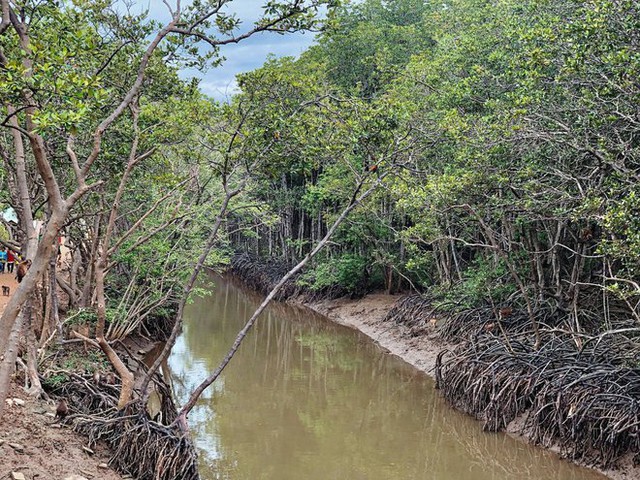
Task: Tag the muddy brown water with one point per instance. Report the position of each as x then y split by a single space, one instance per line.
305 399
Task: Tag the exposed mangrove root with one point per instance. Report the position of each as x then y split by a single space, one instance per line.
140 447
469 323
159 327
579 391
262 276
584 400
414 311
418 313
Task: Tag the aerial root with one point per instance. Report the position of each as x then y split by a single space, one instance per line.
413 311
140 447
262 276
418 313
572 398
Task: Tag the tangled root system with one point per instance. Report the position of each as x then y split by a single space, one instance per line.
415 312
262 276
141 447
581 396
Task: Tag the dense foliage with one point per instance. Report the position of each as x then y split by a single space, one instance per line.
500 140
502 136
119 173
511 131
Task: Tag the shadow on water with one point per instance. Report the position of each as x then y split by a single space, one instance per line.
305 399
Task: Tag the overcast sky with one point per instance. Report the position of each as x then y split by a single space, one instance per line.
249 54
220 82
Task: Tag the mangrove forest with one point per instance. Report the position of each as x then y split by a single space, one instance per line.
476 161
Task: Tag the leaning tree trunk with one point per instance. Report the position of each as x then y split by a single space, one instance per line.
127 378
7 367
181 419
13 314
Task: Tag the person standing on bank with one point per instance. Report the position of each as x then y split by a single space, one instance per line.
11 260
3 259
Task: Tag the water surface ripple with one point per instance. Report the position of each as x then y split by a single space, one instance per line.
305 399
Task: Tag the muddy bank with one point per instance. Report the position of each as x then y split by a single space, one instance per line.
419 349
33 444
367 315
142 440
94 439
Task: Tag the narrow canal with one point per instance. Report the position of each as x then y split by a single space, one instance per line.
305 399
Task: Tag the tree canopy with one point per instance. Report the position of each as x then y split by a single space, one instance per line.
487 154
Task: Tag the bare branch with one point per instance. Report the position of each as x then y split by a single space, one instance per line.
354 202
80 192
270 26
106 63
74 161
153 208
128 99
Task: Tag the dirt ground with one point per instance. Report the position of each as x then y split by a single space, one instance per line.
7 280
33 445
367 314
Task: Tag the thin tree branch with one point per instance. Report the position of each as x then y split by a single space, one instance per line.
354 202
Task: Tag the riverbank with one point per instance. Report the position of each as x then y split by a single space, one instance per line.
33 446
367 315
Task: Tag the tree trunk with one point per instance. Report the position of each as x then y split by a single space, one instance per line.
7 367
52 318
25 212
25 290
31 279
35 387
181 420
85 300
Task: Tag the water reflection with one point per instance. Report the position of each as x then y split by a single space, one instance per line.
305 399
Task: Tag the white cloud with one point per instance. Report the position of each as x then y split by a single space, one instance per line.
251 54
221 90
